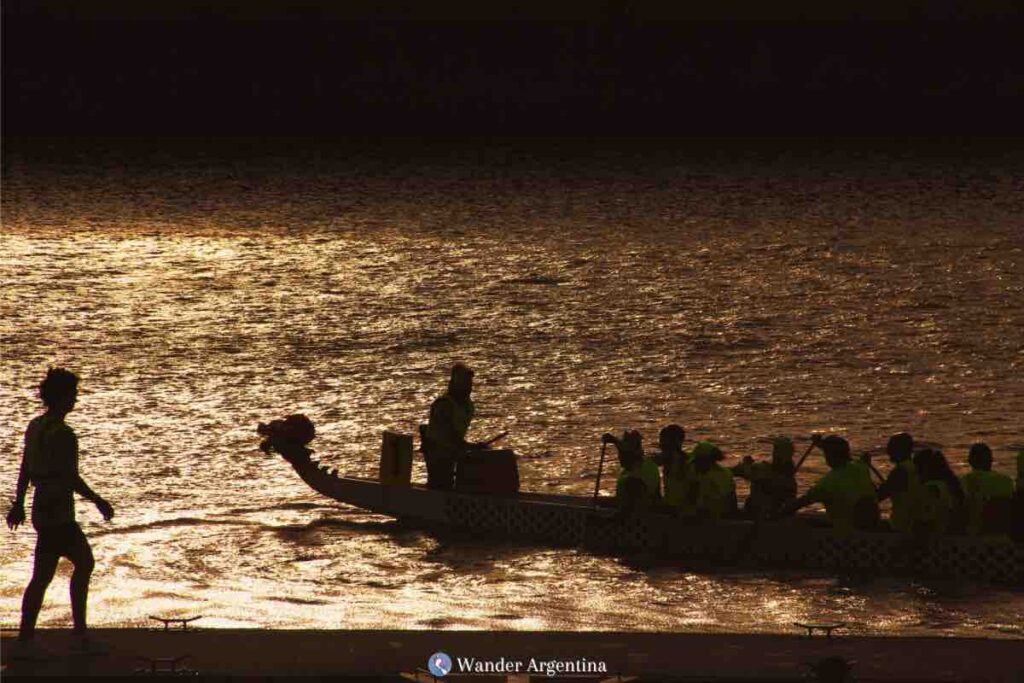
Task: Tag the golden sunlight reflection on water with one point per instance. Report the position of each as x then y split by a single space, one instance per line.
837 304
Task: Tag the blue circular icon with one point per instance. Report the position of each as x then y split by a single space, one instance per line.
439 664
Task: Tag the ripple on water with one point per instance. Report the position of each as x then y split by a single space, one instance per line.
840 302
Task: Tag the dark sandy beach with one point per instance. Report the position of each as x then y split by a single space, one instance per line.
388 654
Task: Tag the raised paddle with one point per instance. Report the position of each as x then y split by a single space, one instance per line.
495 439
814 442
865 458
600 468
481 445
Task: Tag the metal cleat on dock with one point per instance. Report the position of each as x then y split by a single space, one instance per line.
167 621
163 666
824 627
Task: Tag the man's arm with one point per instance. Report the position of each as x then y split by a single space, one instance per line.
816 494
16 515
896 482
66 444
82 489
792 506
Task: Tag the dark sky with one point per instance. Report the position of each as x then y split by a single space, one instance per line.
167 67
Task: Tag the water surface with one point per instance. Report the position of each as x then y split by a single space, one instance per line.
744 289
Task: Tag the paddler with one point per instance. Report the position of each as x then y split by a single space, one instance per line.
1017 507
902 484
677 469
846 491
714 495
987 494
1020 471
639 483
772 484
444 436
934 507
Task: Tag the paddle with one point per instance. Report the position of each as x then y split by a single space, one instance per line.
494 439
483 445
814 442
865 458
600 468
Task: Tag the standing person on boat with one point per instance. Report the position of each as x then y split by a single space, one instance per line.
444 436
902 483
987 494
714 495
846 491
639 483
677 469
50 464
772 484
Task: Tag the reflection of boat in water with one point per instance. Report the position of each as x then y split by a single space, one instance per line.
574 521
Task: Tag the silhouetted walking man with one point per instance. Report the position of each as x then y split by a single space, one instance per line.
50 464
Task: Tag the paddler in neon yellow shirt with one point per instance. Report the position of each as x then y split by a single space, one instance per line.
987 494
846 491
639 483
902 484
677 470
714 495
1020 471
1017 504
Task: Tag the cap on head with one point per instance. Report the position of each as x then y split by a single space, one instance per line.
980 456
461 380
58 386
461 371
900 446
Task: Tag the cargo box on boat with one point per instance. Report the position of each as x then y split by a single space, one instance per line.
488 471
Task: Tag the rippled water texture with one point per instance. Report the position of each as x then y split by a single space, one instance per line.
742 289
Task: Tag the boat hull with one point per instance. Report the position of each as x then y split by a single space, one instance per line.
799 542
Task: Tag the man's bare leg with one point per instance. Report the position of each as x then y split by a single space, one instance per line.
44 567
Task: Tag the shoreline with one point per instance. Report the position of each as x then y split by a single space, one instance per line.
650 656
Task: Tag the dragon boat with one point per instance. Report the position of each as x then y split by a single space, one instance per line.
801 542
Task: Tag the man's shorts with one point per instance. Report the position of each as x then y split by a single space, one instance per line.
63 540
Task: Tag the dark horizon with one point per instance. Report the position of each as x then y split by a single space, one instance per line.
613 68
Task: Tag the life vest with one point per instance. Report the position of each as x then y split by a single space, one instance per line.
903 503
848 496
716 491
980 488
679 476
461 414
647 473
1020 471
